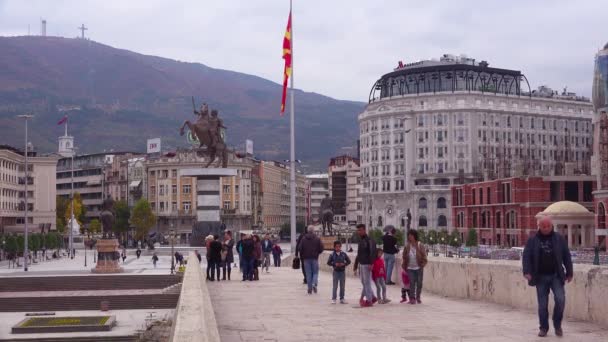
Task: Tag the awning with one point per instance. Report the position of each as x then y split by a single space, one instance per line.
135 184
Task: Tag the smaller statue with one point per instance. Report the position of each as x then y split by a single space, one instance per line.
409 218
327 214
107 217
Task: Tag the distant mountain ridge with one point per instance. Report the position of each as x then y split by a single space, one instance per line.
118 98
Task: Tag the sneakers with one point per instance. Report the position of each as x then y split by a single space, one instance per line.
386 301
542 333
333 301
412 301
367 304
403 300
361 302
418 301
314 289
374 300
342 301
559 332
309 292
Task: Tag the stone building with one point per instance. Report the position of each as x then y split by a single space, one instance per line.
317 186
433 124
125 178
344 175
600 142
41 191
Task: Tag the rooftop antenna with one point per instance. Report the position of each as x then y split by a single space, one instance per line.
82 28
43 27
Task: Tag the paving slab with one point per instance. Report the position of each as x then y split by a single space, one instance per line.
277 308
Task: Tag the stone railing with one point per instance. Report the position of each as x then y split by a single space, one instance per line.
502 282
194 317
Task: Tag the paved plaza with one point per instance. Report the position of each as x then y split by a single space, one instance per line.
277 308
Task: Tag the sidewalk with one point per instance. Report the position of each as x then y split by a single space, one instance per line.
277 308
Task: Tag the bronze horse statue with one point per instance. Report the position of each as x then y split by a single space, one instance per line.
201 130
327 220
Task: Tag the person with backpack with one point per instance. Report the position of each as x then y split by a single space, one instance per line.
366 254
338 260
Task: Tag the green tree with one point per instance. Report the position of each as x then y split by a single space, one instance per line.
455 240
94 226
20 244
79 209
443 237
399 236
142 218
11 244
422 236
472 238
286 228
61 206
432 237
34 243
376 235
121 225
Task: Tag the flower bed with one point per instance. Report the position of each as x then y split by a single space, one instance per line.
64 324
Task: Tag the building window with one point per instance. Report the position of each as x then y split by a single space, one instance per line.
442 221
422 221
441 203
174 189
174 206
422 203
497 220
174 173
488 195
227 205
186 206
162 206
226 189
474 223
186 188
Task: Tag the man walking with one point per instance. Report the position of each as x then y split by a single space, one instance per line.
366 254
547 265
310 248
266 251
389 245
247 247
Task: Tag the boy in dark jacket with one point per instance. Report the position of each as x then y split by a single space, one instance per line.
547 264
339 261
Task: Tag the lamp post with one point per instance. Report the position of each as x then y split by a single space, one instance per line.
446 248
26 117
172 237
71 241
85 249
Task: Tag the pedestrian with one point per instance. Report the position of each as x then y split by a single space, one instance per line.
228 245
138 253
414 260
154 259
239 250
266 251
124 255
366 254
389 245
276 254
298 240
176 257
208 241
547 264
379 277
198 256
257 254
338 260
405 287
247 248
310 248
215 257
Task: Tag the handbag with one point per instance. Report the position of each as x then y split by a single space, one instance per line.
296 263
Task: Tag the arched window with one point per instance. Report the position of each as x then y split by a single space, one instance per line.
484 220
442 221
601 216
474 220
422 203
422 221
441 203
497 220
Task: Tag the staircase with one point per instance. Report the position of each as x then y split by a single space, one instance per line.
88 282
82 303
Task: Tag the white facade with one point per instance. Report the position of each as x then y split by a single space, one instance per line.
318 187
345 188
413 147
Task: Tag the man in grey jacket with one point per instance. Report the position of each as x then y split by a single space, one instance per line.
309 249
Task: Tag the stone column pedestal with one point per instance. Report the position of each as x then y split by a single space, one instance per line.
208 201
108 257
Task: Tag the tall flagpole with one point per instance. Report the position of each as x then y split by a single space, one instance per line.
292 152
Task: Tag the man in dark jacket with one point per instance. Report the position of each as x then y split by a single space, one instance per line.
309 249
266 251
300 237
247 247
366 254
547 265
215 257
389 246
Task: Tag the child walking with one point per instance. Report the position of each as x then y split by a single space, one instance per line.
405 288
339 261
379 277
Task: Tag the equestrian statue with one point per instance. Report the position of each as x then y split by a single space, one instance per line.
207 130
326 212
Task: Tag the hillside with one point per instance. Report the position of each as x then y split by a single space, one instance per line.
125 97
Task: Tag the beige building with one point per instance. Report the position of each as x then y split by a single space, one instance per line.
317 187
125 173
345 190
275 195
41 191
173 198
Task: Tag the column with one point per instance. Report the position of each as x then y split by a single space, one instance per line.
569 228
584 236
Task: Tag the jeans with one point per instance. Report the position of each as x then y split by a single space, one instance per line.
312 272
380 287
226 266
365 273
266 262
248 268
339 278
214 267
389 261
277 260
415 283
241 263
545 284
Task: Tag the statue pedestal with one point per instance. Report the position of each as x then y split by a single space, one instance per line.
328 242
208 201
108 257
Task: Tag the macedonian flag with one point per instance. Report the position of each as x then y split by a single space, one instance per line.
287 58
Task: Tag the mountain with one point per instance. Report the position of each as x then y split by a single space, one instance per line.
117 99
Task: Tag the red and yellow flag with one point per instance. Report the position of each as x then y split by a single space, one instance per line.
287 58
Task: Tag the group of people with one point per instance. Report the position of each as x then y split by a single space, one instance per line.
220 256
254 254
373 265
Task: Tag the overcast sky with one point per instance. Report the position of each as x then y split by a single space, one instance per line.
340 47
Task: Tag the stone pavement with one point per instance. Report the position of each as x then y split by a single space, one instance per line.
277 308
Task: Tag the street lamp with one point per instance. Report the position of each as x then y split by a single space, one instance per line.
85 248
26 117
71 242
172 237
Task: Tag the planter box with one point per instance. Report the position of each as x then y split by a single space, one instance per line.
33 325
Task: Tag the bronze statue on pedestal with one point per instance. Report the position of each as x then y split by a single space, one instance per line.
326 212
107 217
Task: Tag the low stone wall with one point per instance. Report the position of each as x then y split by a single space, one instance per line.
194 317
502 282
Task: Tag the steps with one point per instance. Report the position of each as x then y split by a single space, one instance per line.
118 302
87 282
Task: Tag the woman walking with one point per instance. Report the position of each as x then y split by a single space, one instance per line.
228 246
414 260
257 255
